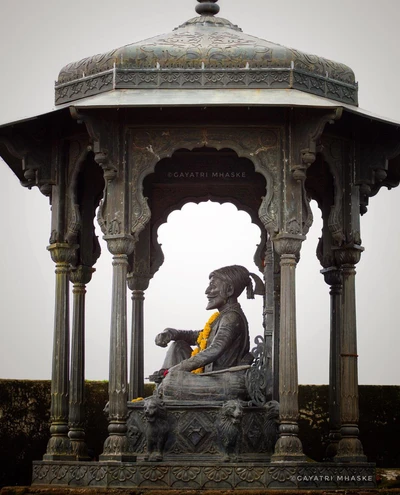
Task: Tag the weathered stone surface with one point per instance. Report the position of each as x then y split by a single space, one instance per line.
24 424
21 490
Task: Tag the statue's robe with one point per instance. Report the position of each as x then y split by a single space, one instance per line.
227 347
227 344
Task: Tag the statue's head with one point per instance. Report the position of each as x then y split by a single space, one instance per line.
226 285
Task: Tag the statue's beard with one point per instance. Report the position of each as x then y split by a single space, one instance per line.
215 302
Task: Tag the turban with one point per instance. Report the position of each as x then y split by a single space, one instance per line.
239 277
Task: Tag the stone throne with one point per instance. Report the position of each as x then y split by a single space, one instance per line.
243 120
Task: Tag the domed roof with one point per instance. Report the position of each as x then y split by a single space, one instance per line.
206 52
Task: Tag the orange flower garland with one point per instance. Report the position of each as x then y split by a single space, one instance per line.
202 339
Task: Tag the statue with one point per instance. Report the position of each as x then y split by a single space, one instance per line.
157 429
221 348
229 429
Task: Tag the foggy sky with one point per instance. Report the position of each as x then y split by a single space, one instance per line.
38 38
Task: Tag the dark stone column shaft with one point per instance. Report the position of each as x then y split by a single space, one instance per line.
277 324
59 446
80 277
269 320
116 445
288 446
333 277
136 382
349 448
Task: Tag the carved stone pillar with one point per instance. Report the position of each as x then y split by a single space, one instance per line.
137 283
333 277
116 445
269 320
288 446
79 277
349 447
277 323
59 446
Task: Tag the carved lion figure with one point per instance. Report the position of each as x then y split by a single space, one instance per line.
229 429
157 428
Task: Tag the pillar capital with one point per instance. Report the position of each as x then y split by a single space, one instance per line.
81 274
120 244
288 244
62 252
138 281
349 254
332 275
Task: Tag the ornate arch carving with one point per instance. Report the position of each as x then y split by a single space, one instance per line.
261 145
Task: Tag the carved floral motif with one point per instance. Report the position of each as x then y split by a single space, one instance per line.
185 473
249 474
154 473
218 473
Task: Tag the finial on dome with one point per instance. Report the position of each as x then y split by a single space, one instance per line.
207 7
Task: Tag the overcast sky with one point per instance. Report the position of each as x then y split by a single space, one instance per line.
37 38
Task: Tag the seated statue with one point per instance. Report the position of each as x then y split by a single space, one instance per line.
221 352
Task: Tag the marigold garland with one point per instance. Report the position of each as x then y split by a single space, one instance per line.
202 339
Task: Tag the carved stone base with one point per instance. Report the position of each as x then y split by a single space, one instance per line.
79 450
287 449
350 450
200 475
193 432
332 449
59 449
116 449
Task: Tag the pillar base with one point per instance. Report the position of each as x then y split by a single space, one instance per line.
59 449
288 449
350 448
332 449
79 450
116 449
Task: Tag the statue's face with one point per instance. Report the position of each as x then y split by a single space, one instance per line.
216 293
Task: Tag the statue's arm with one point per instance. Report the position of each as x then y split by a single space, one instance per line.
165 337
228 331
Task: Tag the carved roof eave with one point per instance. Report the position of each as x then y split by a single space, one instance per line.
145 98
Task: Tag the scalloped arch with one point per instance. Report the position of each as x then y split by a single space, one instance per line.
158 252
260 145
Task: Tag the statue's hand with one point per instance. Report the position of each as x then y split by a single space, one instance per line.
165 337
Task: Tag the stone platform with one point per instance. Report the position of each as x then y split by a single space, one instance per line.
205 476
28 490
192 433
38 490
